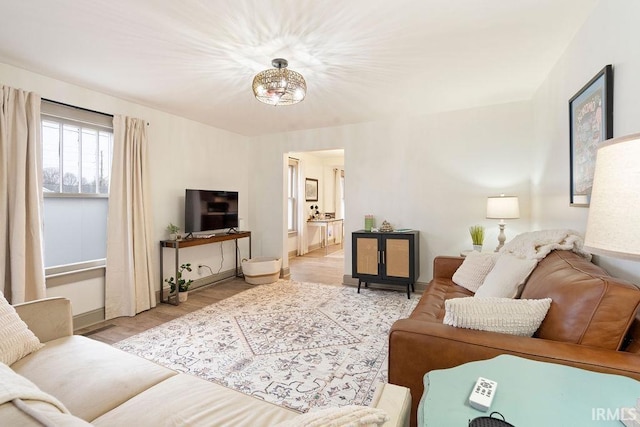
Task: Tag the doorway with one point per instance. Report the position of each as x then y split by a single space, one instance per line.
316 213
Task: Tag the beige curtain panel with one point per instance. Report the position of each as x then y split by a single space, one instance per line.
129 282
21 252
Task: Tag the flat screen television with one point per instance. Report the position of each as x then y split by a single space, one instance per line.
206 210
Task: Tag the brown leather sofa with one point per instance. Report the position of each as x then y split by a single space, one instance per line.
592 324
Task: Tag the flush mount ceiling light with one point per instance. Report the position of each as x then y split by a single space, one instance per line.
279 86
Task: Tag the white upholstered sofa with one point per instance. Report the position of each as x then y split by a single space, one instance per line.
103 386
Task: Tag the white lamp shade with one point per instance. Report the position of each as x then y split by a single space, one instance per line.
613 225
503 207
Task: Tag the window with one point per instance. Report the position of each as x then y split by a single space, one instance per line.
76 158
292 196
77 148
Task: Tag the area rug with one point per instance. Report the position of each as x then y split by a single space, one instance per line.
298 345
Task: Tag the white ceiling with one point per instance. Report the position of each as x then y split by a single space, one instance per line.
363 59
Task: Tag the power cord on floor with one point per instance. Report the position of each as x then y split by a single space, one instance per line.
204 265
221 258
239 257
238 254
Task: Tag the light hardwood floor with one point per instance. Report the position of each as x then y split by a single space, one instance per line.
313 267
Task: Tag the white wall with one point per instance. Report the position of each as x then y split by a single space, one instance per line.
328 190
183 154
609 36
431 173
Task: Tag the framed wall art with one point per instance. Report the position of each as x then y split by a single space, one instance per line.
311 189
590 123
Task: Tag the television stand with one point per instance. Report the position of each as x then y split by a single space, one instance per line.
176 245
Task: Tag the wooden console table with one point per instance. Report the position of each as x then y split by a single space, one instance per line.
172 297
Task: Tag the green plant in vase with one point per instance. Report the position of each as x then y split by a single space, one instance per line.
173 231
183 285
477 236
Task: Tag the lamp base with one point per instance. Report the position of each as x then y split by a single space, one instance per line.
501 237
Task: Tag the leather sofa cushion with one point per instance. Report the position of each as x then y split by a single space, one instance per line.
89 377
588 306
431 306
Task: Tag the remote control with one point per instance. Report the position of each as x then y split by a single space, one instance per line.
482 394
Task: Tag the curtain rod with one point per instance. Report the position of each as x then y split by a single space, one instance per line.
81 108
76 107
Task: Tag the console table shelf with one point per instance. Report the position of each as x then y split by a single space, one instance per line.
172 297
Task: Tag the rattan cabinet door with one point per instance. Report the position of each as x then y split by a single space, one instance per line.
367 255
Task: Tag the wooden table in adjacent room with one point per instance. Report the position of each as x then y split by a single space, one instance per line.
326 223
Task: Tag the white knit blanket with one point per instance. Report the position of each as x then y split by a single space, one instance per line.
16 388
538 244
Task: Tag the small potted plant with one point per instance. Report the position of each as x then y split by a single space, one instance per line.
183 285
173 231
477 237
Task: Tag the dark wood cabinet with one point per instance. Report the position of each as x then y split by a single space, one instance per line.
387 258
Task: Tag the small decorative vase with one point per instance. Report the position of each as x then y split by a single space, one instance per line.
477 248
386 227
183 296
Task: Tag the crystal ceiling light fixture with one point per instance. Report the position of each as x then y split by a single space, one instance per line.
279 86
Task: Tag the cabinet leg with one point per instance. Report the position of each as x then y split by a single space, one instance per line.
409 290
359 283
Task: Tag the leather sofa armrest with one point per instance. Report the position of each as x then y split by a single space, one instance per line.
48 318
396 401
417 347
445 266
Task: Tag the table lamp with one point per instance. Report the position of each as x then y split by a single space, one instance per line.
502 207
613 224
613 228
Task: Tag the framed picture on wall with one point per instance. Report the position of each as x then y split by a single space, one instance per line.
590 123
311 189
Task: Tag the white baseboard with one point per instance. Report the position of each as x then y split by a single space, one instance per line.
89 318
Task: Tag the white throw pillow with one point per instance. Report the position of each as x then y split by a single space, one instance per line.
505 315
344 416
16 340
474 269
507 276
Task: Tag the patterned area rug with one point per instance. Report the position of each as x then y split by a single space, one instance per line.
299 345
